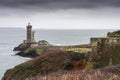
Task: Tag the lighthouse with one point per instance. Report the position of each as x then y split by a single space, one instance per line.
29 34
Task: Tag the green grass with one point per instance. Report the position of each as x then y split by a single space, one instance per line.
79 50
39 51
89 65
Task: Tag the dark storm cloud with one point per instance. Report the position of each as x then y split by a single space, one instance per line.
59 4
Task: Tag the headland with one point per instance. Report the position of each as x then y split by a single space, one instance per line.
98 60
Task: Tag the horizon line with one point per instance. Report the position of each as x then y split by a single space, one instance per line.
62 28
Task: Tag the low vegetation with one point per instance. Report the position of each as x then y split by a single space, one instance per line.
108 73
110 55
114 34
46 63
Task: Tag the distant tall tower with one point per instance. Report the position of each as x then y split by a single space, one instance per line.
29 33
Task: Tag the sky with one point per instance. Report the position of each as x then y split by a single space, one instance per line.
60 14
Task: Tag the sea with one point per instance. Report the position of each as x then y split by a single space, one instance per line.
12 37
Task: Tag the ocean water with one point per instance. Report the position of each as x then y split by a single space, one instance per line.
11 37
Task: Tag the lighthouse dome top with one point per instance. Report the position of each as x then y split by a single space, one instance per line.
29 25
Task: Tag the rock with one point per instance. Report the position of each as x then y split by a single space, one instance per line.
29 49
30 54
114 34
21 47
43 43
25 50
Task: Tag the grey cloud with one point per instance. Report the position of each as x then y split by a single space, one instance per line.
59 4
30 7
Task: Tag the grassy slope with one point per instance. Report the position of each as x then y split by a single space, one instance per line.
46 63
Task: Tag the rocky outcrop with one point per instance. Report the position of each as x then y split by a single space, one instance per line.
44 43
32 49
114 34
25 50
28 53
21 47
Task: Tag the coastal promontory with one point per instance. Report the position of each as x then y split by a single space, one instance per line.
98 60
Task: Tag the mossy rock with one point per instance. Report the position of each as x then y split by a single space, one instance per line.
108 52
114 34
